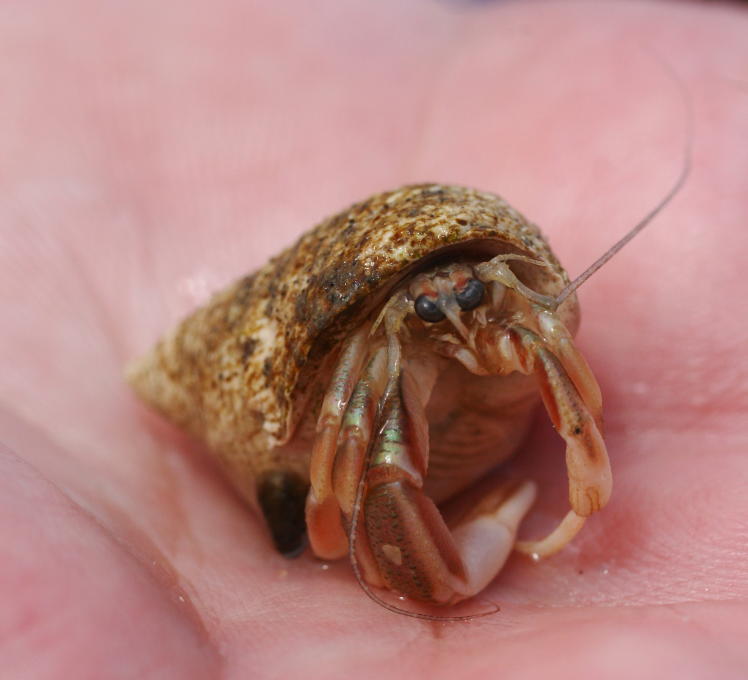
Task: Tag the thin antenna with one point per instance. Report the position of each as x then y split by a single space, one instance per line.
677 186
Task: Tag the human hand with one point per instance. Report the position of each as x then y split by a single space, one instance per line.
153 153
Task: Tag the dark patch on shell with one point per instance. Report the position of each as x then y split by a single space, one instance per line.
267 368
248 346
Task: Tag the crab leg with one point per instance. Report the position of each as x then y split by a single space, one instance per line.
407 545
558 339
324 526
359 423
587 464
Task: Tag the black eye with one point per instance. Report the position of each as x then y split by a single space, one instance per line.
426 308
471 295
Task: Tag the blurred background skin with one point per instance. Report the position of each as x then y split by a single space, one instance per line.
152 152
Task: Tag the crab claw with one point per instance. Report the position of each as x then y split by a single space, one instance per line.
578 421
403 542
370 462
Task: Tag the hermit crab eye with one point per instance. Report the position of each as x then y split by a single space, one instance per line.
426 308
471 295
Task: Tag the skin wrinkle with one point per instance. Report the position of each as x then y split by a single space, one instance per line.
67 512
107 518
538 105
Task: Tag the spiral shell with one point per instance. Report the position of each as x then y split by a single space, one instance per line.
244 373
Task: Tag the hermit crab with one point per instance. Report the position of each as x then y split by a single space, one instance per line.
380 366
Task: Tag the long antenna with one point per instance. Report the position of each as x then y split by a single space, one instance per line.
677 186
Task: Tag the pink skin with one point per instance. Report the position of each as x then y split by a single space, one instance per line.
152 152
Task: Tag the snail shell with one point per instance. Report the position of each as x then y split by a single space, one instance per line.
246 372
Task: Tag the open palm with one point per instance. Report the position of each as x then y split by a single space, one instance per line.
152 154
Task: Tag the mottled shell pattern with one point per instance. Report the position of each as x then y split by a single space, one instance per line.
242 372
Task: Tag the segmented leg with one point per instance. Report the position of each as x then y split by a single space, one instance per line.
558 339
358 426
325 529
406 542
344 428
571 397
371 458
588 468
